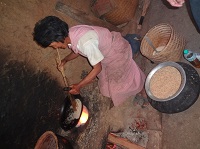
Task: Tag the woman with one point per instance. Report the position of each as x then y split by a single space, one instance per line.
108 52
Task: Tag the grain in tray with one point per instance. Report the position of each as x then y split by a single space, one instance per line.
165 82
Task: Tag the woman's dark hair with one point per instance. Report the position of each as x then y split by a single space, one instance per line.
50 29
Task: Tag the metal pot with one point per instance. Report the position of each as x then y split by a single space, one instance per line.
186 95
69 118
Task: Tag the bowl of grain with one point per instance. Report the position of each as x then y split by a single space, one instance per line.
165 82
172 87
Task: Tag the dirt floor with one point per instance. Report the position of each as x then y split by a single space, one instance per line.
166 131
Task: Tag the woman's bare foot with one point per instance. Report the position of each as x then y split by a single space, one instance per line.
143 93
141 98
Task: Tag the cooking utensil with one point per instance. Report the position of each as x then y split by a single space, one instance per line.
58 60
69 117
150 43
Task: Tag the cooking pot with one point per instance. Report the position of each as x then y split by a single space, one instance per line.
185 96
69 117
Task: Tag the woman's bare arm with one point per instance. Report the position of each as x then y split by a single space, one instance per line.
176 3
89 78
69 57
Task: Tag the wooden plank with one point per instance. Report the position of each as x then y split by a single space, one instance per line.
84 18
123 142
146 4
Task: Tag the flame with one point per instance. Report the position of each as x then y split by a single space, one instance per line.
84 117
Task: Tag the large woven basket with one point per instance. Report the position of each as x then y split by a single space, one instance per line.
122 13
168 43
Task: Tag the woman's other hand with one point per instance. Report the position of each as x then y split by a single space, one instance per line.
69 57
60 66
176 3
75 89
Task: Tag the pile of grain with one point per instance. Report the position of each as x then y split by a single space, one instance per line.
165 82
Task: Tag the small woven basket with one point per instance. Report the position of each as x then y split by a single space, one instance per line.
122 13
166 41
48 140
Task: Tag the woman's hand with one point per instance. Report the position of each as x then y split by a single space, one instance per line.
75 89
61 65
88 79
69 57
176 3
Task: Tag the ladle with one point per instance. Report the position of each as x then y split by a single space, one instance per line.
150 43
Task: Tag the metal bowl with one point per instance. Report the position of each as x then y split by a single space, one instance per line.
158 67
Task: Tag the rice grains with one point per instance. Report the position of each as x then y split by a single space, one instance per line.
165 82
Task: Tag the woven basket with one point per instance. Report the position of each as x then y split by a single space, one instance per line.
48 140
170 44
122 13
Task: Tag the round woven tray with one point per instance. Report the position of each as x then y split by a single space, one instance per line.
162 35
122 13
47 141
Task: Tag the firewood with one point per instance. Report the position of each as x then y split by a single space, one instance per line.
123 142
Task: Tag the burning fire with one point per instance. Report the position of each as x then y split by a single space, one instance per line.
84 117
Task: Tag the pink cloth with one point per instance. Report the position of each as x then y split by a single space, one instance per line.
120 76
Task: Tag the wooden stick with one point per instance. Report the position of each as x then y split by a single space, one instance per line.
58 60
144 11
123 142
62 70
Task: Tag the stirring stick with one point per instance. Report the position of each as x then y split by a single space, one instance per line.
58 60
62 70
